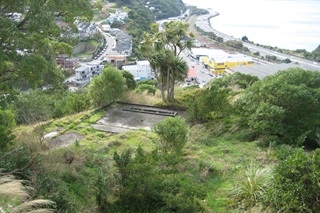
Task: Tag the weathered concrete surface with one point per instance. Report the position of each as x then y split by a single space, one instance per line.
116 120
127 120
65 140
109 128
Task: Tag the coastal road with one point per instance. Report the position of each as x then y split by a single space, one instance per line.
203 22
307 64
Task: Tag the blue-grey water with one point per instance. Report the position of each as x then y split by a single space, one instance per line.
289 24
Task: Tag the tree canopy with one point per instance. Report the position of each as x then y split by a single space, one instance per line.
162 48
295 186
173 134
108 87
284 106
29 40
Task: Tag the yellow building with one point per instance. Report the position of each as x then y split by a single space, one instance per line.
219 60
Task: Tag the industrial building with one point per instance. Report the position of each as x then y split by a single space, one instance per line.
218 60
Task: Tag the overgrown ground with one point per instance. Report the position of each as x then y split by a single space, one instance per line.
91 46
217 154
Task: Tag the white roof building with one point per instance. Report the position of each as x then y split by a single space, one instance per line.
140 71
219 56
118 16
84 74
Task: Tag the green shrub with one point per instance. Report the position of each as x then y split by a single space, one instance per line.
284 107
253 184
149 82
237 79
77 102
296 183
210 104
130 82
6 123
172 133
146 185
146 87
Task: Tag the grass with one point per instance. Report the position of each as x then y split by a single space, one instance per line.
228 158
217 154
95 117
91 45
253 184
143 98
15 197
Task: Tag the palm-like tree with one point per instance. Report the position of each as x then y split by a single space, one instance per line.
152 48
176 36
179 74
162 50
175 69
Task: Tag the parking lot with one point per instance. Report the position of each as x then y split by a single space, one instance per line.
203 75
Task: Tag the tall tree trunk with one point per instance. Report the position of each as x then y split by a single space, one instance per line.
168 84
161 85
172 90
162 88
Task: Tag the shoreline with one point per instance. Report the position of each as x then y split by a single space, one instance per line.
203 22
294 32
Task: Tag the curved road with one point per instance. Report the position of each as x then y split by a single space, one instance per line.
110 43
204 23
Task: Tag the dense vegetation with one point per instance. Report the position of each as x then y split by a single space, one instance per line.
229 156
162 49
244 144
144 12
31 42
161 9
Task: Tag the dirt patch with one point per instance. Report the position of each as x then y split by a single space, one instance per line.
50 135
65 140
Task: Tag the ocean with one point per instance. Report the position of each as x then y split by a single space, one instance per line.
288 24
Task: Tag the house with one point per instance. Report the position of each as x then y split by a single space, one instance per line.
115 59
84 74
140 71
61 58
105 27
119 16
85 30
71 63
123 43
67 63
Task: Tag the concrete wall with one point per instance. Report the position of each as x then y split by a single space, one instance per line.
79 48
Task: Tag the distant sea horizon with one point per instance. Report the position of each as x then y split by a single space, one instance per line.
286 24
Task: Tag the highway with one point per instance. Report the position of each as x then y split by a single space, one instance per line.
204 24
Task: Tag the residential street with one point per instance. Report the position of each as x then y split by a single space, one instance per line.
111 43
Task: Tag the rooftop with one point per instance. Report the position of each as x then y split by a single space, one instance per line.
220 55
145 62
130 68
262 70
